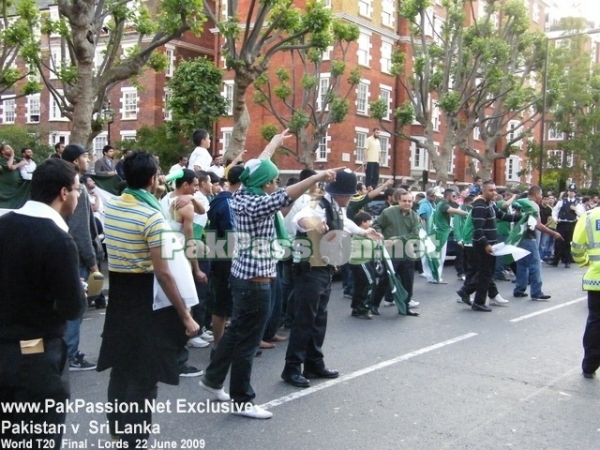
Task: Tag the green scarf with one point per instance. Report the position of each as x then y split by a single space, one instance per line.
527 209
256 174
146 197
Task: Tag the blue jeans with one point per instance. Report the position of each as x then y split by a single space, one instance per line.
546 246
274 310
347 279
528 269
239 344
287 287
74 326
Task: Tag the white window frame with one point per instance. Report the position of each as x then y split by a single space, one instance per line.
170 54
99 55
476 133
167 113
554 135
55 62
387 47
128 135
450 167
360 139
54 137
362 85
127 112
225 139
513 127
384 155
323 149
30 105
54 113
125 47
323 89
535 12
326 55
436 118
365 8
388 13
228 88
99 142
9 109
54 17
363 51
423 157
513 167
385 94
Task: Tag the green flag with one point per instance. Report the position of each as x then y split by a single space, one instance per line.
529 215
439 230
399 294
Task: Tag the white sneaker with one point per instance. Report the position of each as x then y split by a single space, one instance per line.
219 394
498 301
254 412
197 342
207 337
207 331
423 275
385 303
413 304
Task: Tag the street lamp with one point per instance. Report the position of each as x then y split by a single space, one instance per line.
545 91
109 115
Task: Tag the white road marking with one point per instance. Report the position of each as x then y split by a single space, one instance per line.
542 311
361 372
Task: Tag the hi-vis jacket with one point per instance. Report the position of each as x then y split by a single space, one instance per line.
585 247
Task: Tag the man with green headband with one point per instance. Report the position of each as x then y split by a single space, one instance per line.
255 207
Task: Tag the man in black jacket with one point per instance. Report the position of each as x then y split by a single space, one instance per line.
40 290
485 234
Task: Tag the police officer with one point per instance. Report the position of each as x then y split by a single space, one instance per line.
323 223
565 214
585 248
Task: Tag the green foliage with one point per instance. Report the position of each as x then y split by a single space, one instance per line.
299 120
268 131
196 104
20 137
339 109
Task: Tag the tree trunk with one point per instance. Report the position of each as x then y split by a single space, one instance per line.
486 167
83 98
241 118
306 155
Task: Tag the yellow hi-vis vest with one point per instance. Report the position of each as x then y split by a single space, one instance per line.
585 248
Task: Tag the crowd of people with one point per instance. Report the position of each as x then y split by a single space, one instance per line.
244 302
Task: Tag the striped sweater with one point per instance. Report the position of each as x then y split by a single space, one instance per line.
484 216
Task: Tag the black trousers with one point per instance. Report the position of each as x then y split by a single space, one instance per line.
405 271
459 262
33 379
562 249
130 388
591 336
482 283
372 174
311 296
469 263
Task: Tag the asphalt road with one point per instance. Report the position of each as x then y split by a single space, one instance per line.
449 379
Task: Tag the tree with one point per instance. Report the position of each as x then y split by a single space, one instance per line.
269 27
471 76
88 28
304 101
193 104
16 18
19 137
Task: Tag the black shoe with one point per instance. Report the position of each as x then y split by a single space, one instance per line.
540 297
482 308
295 380
588 375
189 371
552 262
375 310
361 315
519 294
464 297
567 265
412 313
322 373
258 353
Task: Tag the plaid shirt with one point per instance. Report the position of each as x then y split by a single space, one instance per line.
254 218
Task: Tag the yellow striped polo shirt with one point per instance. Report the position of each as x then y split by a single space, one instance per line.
131 229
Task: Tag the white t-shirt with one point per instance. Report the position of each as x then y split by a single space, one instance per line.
175 168
218 171
201 158
27 170
201 219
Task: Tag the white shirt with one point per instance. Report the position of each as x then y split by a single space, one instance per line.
218 171
201 219
165 204
201 158
176 167
319 212
298 205
100 213
43 211
579 210
27 170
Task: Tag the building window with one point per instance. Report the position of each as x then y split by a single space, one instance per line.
128 135
130 103
361 138
386 57
362 97
476 133
450 168
59 136
513 167
323 93
228 95
99 142
166 110
554 134
225 139
364 48
322 149
33 108
99 56
435 118
388 13
535 16
55 62
55 112
514 132
384 141
569 159
170 71
386 95
8 110
365 8
418 157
